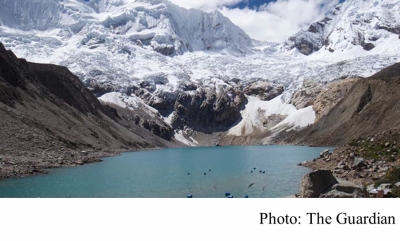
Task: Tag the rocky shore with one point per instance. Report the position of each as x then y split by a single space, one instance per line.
364 161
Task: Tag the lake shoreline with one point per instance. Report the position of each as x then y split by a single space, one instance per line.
18 166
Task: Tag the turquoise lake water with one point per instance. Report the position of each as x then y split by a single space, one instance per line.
164 174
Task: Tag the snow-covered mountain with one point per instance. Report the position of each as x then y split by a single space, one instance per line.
354 23
166 27
198 70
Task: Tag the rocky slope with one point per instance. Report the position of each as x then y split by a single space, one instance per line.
364 125
371 106
49 119
363 160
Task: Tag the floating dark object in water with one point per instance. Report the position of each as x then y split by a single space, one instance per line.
251 171
254 168
230 196
263 172
209 170
205 173
227 194
263 188
188 173
250 185
259 171
247 196
190 196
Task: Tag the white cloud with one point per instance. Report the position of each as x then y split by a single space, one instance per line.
274 21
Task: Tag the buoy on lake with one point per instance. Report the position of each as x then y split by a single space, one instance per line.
190 196
247 196
230 196
227 194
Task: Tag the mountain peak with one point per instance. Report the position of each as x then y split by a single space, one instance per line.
160 24
351 23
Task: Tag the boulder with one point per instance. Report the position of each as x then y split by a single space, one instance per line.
317 182
78 162
345 191
341 165
324 153
359 162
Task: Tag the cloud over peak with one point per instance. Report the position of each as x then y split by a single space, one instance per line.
274 21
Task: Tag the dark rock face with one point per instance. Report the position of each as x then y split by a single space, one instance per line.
208 110
99 89
311 40
264 90
12 75
316 182
365 99
66 86
165 50
368 46
392 29
157 129
305 44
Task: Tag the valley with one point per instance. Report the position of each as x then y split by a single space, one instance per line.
81 80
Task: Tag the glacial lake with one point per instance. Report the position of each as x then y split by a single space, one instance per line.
204 172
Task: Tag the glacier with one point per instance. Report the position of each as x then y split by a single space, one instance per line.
120 48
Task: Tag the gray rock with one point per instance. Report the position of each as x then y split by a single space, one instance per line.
359 162
324 153
317 182
264 90
383 169
341 165
344 191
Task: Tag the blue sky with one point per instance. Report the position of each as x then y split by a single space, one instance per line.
253 4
